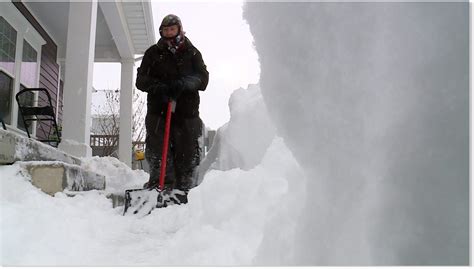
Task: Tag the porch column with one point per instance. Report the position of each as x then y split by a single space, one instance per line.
126 102
78 78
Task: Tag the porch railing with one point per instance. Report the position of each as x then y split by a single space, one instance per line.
107 145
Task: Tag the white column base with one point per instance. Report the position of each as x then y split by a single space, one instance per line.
75 149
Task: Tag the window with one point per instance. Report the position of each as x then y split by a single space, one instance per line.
6 89
7 46
29 66
7 68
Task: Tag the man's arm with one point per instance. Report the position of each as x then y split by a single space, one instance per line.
194 82
201 70
144 81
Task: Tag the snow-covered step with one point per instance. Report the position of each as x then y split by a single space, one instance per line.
52 177
15 147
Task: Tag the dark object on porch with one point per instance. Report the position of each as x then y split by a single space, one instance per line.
31 112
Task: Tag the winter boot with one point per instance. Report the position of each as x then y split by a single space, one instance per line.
172 197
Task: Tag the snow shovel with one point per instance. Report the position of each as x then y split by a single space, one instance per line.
143 201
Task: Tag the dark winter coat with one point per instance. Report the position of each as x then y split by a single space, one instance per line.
160 65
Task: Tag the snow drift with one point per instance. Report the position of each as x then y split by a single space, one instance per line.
243 141
373 101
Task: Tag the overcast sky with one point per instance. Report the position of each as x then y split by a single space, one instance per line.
218 30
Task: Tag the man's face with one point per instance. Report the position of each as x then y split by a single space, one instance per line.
170 31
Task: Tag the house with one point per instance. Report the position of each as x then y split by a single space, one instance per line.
53 45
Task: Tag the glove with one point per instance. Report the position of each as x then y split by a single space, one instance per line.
187 83
191 83
159 88
175 89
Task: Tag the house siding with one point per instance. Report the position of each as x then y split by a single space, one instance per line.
49 71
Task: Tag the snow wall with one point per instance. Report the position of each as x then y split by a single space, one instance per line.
373 101
243 141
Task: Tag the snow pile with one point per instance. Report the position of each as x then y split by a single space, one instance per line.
231 209
118 176
23 149
38 229
221 225
372 99
242 142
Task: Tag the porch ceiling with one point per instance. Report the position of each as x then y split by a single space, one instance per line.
134 31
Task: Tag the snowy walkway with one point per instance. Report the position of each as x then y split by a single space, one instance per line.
222 224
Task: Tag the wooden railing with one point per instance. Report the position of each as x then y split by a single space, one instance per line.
107 144
104 140
104 145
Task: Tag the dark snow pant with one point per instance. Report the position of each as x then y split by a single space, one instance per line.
184 153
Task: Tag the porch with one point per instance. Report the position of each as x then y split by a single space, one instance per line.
61 41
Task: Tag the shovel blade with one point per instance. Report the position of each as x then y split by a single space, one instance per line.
142 201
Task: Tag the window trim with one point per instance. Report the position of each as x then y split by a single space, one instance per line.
25 32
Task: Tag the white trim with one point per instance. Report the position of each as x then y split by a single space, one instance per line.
62 68
16 130
21 24
53 38
33 40
58 92
38 71
150 28
128 36
16 81
126 110
7 72
117 23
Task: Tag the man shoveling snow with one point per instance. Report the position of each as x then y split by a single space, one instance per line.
172 72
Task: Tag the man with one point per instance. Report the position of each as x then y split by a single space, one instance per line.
173 69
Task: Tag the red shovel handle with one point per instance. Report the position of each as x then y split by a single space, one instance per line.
166 138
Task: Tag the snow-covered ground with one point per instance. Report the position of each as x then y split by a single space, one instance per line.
222 224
